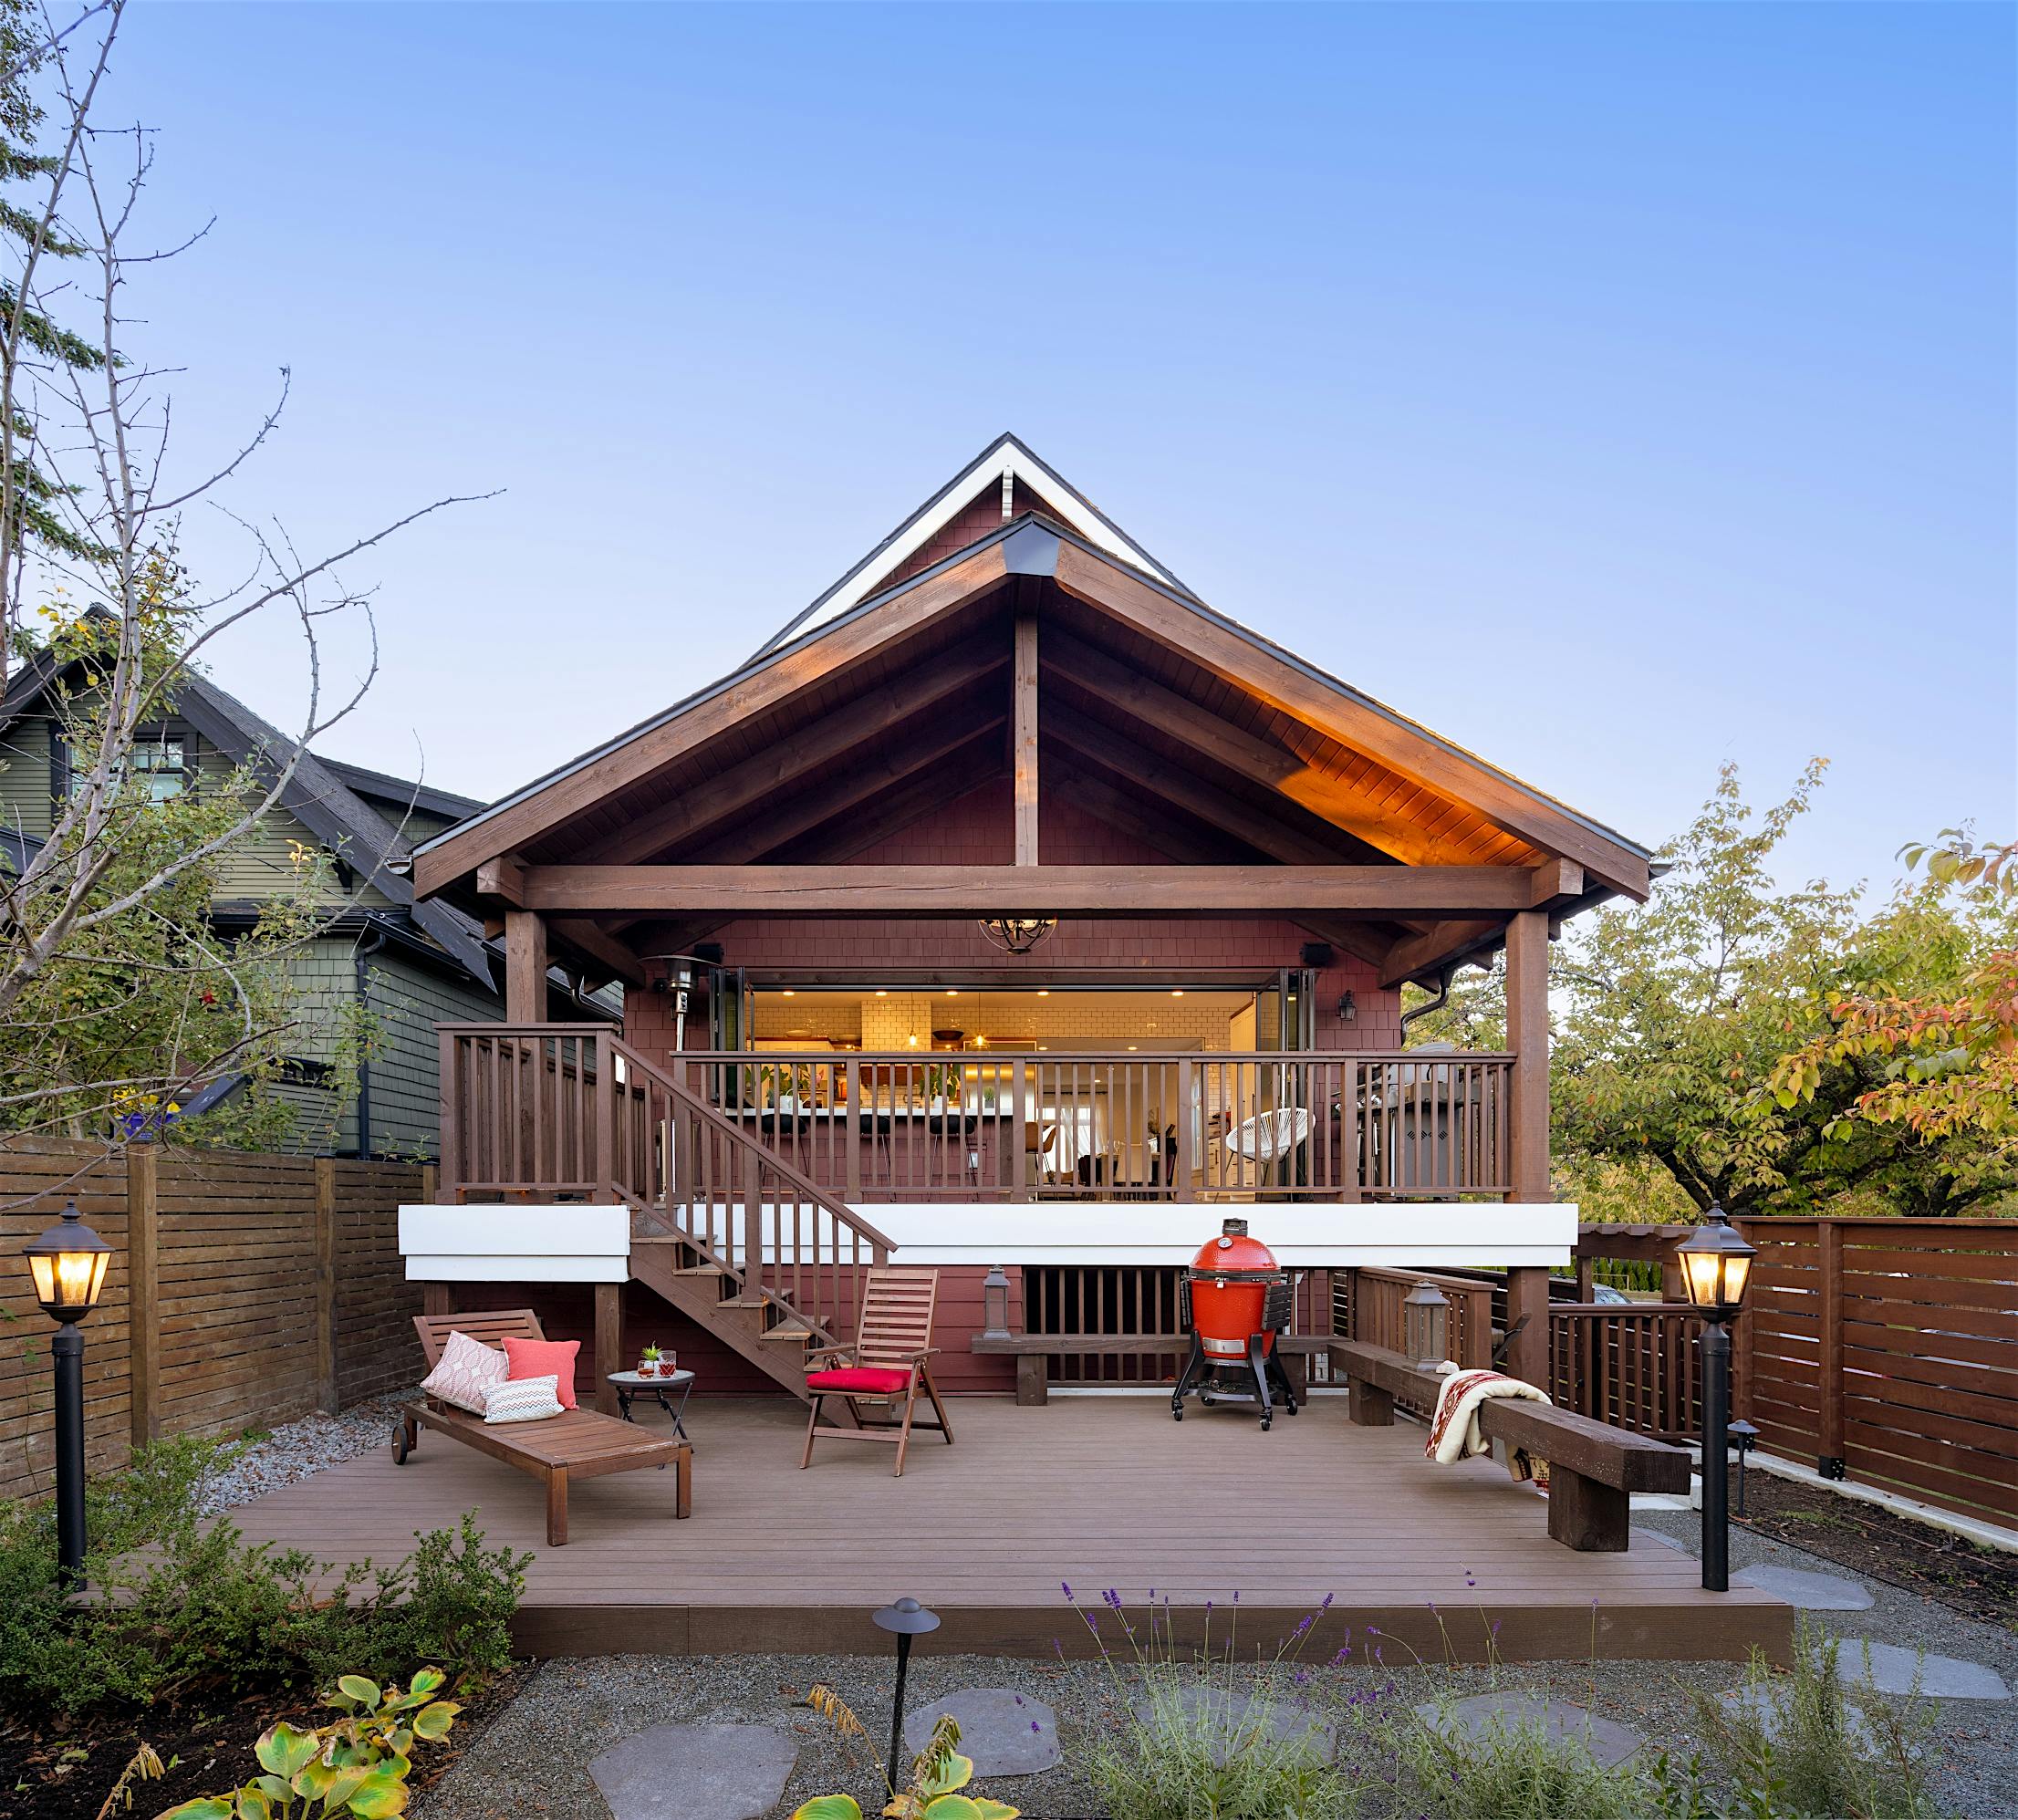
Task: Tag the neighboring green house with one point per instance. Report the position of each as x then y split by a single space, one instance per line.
409 965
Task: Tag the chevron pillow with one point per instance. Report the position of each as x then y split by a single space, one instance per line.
466 1370
523 1399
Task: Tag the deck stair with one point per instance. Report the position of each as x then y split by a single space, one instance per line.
727 1232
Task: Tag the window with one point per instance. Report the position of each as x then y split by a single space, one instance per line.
159 763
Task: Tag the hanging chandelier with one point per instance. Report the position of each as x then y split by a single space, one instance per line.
1017 934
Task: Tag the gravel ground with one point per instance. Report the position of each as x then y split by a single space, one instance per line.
532 1759
297 1451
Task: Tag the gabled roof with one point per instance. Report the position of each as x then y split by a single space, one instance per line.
1006 467
316 795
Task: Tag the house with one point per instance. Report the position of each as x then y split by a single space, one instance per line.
1015 911
407 964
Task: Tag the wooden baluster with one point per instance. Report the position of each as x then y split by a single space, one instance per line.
851 1083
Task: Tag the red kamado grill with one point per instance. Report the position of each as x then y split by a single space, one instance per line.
1235 1299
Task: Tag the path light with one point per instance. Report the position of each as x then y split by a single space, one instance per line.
1716 1264
1426 1325
907 1618
67 1264
1742 1434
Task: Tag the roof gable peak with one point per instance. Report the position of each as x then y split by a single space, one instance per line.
1007 464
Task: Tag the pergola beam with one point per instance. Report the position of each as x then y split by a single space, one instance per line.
1377 891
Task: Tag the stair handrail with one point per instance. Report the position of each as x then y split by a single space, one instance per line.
686 1097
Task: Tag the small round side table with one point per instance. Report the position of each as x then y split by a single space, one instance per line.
630 1384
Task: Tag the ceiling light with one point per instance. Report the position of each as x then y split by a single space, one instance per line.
1043 992
1017 934
790 993
1131 1048
882 991
1177 992
952 992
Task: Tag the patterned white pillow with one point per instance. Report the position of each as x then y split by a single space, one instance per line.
467 1369
523 1399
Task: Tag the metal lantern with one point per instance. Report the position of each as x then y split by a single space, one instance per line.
1716 1264
994 1304
67 1264
1426 1325
1017 934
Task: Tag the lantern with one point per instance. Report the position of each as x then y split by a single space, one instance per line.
67 1264
1716 1264
1426 1325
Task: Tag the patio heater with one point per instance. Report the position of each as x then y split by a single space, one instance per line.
67 1264
1716 1264
905 1619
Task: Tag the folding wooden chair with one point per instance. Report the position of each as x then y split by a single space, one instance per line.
887 1364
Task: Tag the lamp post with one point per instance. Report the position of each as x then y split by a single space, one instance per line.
1716 1264
67 1264
907 1618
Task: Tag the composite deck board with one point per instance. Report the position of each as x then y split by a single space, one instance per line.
1099 1492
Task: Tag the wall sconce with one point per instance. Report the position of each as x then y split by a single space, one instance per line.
1348 1008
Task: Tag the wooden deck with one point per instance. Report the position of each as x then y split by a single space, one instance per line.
1098 1491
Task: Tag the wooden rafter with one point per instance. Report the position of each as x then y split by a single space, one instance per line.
833 741
1023 694
792 673
1286 685
1437 945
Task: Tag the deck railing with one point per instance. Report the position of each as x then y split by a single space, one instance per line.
1633 1365
967 1126
572 1111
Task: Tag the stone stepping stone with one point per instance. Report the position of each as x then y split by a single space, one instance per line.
1943 1677
1006 1732
1805 1591
1228 1721
1484 1713
695 1772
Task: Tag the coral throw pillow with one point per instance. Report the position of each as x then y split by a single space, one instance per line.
468 1367
522 1399
536 1358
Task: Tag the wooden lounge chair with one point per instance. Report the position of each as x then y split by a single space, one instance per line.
575 1444
887 1364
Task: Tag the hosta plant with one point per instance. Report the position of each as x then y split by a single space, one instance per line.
937 1775
356 1764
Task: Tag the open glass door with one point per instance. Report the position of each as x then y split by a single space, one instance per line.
729 1022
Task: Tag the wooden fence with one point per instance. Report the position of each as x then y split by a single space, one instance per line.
243 1290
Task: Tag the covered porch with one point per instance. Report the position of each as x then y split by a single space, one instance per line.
1093 1492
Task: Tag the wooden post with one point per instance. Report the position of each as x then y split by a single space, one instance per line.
143 1293
431 1182
609 1343
857 1134
325 1285
437 1298
525 967
1184 1166
450 1089
1527 1037
1023 686
1828 1240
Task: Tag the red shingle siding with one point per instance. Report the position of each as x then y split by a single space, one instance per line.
972 523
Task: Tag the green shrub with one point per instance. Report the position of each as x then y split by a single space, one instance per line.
179 1601
357 1765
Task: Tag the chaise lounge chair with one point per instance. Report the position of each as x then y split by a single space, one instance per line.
577 1443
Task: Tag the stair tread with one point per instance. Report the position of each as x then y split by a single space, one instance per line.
786 1333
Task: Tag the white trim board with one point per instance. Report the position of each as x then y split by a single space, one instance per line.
1414 1235
561 1242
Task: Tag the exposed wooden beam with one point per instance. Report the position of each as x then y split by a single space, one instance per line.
810 751
525 967
1220 808
502 877
1555 880
1078 890
792 673
598 944
1158 830
1023 694
1246 755
1202 638
1438 943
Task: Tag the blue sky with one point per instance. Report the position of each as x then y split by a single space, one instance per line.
1619 390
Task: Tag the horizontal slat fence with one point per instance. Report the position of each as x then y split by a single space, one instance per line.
243 1290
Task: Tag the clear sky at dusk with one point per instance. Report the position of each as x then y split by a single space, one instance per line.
1618 389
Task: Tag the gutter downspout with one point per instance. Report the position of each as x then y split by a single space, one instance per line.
1428 1005
361 968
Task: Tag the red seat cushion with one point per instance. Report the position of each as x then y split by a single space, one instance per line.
865 1378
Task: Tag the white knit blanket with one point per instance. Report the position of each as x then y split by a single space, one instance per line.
1454 1430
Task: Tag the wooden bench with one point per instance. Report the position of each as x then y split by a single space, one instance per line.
1593 1469
575 1444
1034 1353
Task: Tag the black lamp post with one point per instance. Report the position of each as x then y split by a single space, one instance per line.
907 1618
1716 1264
67 1264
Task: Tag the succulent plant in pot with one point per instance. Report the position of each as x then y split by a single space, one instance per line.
649 1362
